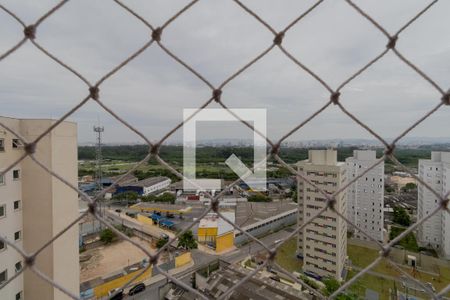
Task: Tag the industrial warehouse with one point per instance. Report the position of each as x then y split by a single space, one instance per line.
256 218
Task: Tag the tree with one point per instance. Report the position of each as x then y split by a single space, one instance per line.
161 242
107 236
401 216
410 186
187 241
128 195
166 197
148 198
389 189
259 198
345 296
331 285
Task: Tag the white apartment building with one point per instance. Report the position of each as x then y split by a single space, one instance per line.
323 243
365 197
435 232
34 207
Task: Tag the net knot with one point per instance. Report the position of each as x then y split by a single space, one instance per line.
278 38
385 252
94 92
389 150
271 255
156 34
216 95
30 148
30 32
392 42
154 149
335 97
153 259
215 205
91 208
275 149
444 203
446 98
331 203
29 260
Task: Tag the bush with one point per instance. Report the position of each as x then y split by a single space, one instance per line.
166 198
187 241
331 285
401 216
107 236
160 243
259 198
125 230
129 195
409 242
309 282
409 187
389 189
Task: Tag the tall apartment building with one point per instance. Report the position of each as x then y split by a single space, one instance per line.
435 232
323 243
365 197
35 206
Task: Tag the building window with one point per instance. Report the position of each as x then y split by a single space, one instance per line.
17 235
19 296
2 246
2 145
3 276
17 205
2 180
16 174
18 266
2 211
16 144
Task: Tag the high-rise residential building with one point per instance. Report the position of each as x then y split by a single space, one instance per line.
435 231
35 206
323 242
365 197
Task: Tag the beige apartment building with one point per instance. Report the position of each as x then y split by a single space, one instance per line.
323 242
35 206
365 197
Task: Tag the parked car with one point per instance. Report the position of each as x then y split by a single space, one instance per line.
136 289
118 210
300 256
117 296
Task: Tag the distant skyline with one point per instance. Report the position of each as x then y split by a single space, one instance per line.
408 141
152 90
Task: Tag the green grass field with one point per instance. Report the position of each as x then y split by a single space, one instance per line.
286 256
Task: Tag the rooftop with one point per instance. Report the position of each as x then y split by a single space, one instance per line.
149 181
212 220
248 213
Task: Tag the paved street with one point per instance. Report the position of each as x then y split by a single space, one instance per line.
202 259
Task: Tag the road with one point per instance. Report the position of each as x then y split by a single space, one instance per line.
202 259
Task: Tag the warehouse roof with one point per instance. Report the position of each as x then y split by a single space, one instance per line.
149 181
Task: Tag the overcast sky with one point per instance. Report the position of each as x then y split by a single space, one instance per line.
217 37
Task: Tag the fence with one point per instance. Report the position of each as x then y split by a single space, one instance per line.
156 39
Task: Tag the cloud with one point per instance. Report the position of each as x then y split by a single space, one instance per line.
217 38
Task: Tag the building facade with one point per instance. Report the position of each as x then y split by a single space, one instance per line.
323 242
365 197
434 232
35 206
146 186
215 232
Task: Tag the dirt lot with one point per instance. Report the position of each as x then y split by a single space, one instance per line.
402 181
108 259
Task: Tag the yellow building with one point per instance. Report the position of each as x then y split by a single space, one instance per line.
216 232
